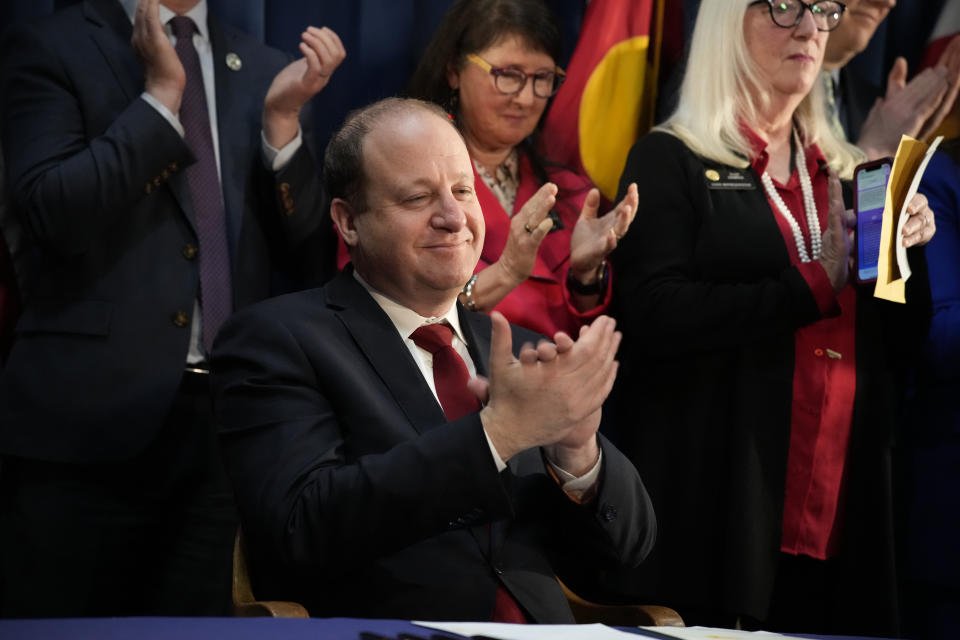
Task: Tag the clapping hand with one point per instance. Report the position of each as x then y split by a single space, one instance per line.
551 394
595 237
528 228
298 82
836 242
915 108
164 77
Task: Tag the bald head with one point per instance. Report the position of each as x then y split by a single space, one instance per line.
343 162
180 7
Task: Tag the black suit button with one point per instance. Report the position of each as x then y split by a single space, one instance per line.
608 512
189 251
180 319
498 569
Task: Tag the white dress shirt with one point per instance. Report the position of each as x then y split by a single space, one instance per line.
406 321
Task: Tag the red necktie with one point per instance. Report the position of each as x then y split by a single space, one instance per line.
450 377
450 373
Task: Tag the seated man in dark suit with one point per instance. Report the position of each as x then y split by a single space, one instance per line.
370 480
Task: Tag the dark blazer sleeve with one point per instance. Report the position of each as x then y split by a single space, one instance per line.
695 273
614 531
302 206
329 470
941 185
316 485
67 186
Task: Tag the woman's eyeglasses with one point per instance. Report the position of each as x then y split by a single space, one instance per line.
512 81
788 13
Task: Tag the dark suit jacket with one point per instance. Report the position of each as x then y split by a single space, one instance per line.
857 95
95 175
932 434
708 303
359 499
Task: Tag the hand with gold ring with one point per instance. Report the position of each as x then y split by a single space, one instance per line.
595 237
298 82
528 228
920 228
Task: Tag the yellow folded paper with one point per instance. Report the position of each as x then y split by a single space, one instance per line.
893 269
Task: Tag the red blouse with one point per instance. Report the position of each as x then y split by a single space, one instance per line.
824 383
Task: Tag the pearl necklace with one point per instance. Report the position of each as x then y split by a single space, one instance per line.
809 205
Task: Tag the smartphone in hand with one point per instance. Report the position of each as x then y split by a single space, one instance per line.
870 193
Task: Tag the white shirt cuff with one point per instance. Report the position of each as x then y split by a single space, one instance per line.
501 465
277 159
162 110
570 483
578 486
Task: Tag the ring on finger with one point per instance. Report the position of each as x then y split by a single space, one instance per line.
526 227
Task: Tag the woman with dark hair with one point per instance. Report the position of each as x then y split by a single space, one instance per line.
492 65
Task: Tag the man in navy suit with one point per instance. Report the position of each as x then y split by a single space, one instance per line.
113 500
369 479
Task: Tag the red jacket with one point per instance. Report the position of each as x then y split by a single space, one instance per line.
542 302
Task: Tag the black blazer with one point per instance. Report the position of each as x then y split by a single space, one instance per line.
708 303
95 176
858 95
359 499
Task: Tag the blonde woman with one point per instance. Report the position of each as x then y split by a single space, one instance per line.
758 389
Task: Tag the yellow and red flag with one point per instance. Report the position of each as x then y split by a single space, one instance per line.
609 95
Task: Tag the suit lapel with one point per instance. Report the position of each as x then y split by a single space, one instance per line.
232 128
387 354
476 329
382 346
111 33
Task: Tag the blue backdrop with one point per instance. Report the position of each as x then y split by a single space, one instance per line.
383 39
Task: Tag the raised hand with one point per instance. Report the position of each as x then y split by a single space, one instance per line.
551 401
836 241
528 228
298 82
595 237
905 109
164 77
949 60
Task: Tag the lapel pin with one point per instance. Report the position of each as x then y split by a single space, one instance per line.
712 175
233 62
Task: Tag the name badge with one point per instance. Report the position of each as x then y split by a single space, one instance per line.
727 179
